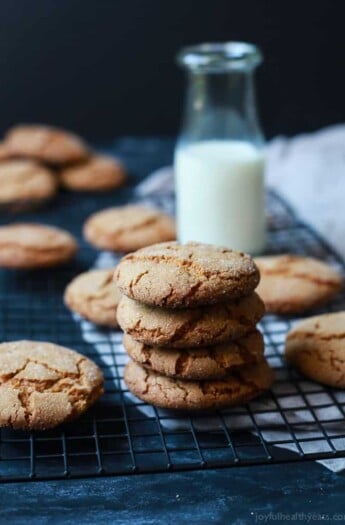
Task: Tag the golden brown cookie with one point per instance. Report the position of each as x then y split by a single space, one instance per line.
98 173
29 245
4 154
292 284
128 228
192 327
165 392
210 362
43 385
95 296
172 275
24 183
46 144
316 347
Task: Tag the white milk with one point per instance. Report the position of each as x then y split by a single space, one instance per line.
220 194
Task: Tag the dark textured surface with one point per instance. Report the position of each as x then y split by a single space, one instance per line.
224 497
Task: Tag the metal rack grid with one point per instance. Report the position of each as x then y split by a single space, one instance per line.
297 421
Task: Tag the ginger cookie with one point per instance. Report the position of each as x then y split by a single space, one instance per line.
316 348
165 392
292 284
45 144
212 362
4 154
95 296
128 228
172 275
192 327
43 385
26 245
25 183
98 173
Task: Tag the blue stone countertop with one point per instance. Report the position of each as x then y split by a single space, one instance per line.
236 496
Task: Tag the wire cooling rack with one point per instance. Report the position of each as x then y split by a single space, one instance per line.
297 421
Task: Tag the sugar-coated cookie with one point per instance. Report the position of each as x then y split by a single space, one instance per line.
27 245
98 173
95 296
292 284
192 327
172 275
24 183
46 144
127 228
165 392
316 347
43 385
211 362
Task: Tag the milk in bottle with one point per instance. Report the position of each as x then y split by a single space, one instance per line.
219 160
220 194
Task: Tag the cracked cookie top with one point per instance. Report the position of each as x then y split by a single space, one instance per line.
28 245
95 296
192 327
98 173
46 144
24 180
128 228
212 362
43 385
234 389
293 284
316 348
172 275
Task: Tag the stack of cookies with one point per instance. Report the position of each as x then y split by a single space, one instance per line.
189 314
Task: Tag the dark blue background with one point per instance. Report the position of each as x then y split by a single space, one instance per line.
106 67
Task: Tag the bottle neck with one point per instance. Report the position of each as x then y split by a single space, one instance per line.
221 106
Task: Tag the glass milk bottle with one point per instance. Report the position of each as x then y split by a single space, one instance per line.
219 161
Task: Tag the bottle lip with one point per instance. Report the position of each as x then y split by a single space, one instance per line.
220 56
